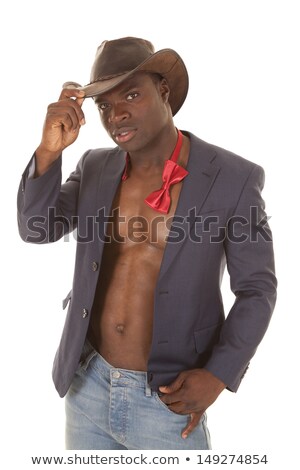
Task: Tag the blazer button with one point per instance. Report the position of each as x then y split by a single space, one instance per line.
95 266
85 312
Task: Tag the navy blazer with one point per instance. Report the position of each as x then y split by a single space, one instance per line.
219 220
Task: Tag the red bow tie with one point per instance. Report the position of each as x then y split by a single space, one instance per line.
173 173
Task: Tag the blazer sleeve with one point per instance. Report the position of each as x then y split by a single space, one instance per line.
46 208
250 263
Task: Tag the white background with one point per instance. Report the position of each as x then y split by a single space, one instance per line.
243 61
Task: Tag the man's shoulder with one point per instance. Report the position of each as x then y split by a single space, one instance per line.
98 158
219 155
98 154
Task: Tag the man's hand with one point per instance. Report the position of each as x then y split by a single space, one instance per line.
192 393
61 128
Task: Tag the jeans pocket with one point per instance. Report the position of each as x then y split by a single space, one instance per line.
163 405
87 354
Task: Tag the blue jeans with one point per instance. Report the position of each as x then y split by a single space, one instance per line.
110 408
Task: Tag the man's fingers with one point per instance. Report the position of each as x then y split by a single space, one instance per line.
69 104
66 116
75 99
171 398
194 421
179 407
176 385
71 93
80 101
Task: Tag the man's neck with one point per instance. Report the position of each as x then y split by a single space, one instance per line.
158 151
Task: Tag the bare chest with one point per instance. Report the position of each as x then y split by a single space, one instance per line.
132 221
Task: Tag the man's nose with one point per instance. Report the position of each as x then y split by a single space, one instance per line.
118 113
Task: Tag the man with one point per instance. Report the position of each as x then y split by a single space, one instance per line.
146 347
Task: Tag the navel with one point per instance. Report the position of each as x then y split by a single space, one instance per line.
120 328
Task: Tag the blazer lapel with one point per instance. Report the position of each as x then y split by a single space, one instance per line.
109 180
195 189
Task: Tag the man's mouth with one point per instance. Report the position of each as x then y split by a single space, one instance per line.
123 135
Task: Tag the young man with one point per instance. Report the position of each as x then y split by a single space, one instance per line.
146 347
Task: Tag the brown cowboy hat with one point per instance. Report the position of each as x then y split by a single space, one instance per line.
118 59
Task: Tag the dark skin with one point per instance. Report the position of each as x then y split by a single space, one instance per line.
137 116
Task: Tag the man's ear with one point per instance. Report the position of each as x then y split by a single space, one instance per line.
164 90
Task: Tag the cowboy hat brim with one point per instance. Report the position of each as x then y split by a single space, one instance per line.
165 62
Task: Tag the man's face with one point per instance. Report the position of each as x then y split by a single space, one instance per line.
135 112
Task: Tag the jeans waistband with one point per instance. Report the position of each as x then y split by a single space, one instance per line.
117 376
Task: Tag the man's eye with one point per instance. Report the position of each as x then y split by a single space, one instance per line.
131 96
102 106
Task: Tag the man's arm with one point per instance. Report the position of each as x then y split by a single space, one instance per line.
61 128
44 211
250 261
251 267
